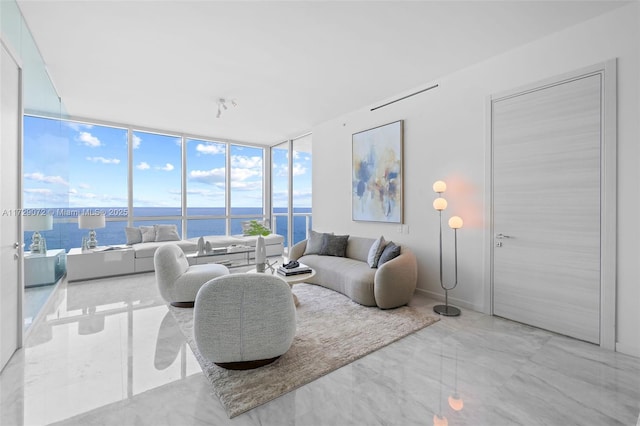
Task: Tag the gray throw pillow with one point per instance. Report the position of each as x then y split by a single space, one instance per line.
334 245
148 233
376 251
134 236
166 233
391 251
314 243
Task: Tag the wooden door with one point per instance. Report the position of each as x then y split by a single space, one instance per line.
546 159
10 218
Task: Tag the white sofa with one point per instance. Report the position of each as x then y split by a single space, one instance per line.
388 286
144 252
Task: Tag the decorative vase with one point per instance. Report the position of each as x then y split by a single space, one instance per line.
261 254
201 251
207 247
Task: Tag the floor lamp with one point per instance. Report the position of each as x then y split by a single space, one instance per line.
455 223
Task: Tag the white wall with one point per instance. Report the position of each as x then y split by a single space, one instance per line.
445 138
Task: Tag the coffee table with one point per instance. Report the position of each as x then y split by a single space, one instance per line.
291 279
226 257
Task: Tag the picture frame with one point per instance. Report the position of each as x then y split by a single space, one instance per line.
377 181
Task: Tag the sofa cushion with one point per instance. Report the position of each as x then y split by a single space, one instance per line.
358 248
391 251
166 233
134 235
334 245
314 243
148 233
146 250
376 251
350 277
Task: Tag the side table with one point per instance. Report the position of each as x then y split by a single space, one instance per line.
44 268
99 263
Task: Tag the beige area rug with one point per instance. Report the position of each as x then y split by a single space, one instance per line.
332 331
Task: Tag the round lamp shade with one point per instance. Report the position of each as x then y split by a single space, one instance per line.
38 222
440 420
455 402
439 186
455 222
91 221
440 204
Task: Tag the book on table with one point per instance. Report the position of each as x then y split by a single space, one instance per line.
300 269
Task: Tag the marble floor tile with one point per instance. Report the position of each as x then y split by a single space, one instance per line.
108 352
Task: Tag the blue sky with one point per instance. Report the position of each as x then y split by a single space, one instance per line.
68 164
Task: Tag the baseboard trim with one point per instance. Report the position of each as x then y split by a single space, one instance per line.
439 295
631 350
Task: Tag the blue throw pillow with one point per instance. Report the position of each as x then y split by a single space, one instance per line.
391 251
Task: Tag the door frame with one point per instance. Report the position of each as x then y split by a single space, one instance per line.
19 179
608 190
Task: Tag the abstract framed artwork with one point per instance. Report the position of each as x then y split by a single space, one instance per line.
377 182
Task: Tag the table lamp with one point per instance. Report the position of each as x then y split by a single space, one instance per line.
37 223
92 222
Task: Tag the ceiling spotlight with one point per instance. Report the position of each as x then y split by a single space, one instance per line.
222 105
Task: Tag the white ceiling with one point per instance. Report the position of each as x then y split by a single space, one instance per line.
290 65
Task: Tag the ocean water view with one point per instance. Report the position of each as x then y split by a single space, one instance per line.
66 234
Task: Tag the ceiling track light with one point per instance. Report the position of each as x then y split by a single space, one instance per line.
222 105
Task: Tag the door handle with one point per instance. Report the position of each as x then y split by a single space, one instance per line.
501 236
16 245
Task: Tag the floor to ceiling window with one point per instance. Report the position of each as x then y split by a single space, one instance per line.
137 178
206 188
157 179
291 163
246 186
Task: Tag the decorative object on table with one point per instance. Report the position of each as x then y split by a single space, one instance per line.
207 247
92 222
253 227
455 223
293 268
270 266
377 183
261 254
37 223
200 246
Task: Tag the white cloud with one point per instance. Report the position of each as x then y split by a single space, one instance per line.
84 185
136 141
143 166
298 169
39 177
208 176
210 149
104 160
246 186
89 140
43 191
77 126
244 162
167 167
243 174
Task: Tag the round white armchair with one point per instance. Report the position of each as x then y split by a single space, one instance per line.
244 321
177 281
